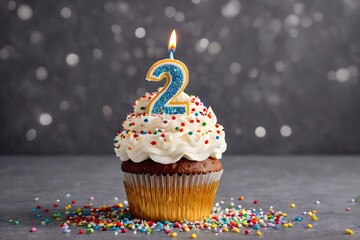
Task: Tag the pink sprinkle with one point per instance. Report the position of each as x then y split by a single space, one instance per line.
33 229
347 209
91 198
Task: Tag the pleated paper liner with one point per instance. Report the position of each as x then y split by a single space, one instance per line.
171 197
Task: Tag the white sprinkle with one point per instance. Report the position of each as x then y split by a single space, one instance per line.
68 195
317 202
45 119
352 200
140 32
126 203
217 204
31 134
222 202
24 12
72 59
57 200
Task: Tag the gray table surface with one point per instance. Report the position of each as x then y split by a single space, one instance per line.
276 181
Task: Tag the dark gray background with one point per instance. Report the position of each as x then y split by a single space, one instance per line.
265 65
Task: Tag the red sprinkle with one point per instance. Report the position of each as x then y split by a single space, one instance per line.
173 117
123 230
255 202
247 231
183 124
206 141
56 205
38 207
81 231
153 143
73 202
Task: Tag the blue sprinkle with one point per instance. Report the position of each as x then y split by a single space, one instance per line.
33 210
146 120
196 114
217 137
38 215
256 226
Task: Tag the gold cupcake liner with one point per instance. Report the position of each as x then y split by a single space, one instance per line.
171 197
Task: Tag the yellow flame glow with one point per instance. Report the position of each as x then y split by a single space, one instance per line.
172 42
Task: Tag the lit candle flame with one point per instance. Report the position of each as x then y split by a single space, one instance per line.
172 42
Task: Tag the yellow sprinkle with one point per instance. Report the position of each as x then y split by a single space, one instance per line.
109 225
309 214
349 231
292 205
193 236
245 224
225 229
313 211
290 224
78 210
314 218
258 233
309 226
285 225
284 214
120 205
236 230
214 226
186 229
173 234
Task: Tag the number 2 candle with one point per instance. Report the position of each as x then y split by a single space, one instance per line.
177 76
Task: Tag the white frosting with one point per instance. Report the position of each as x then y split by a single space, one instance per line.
167 138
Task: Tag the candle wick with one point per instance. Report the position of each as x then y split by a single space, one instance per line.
171 54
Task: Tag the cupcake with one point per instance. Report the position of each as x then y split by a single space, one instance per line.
171 162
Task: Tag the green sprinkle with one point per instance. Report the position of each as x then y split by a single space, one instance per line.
177 129
204 124
155 132
190 133
142 108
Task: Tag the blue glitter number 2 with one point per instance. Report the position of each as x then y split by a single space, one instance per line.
177 77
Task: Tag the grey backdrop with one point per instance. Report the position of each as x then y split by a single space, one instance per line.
282 76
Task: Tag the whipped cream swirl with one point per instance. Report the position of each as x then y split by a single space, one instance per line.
168 138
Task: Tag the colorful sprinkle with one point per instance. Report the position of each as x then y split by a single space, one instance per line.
349 231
